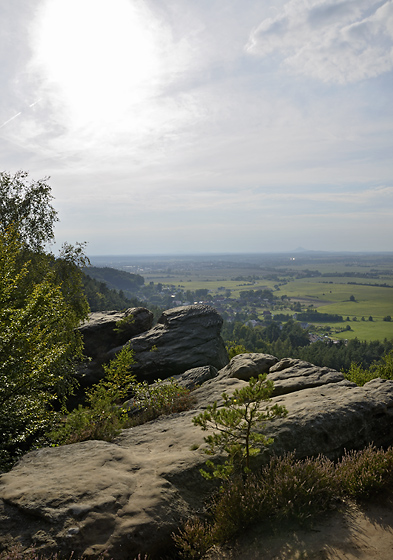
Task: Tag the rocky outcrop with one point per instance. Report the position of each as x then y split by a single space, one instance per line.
184 338
104 330
195 377
126 497
291 375
244 366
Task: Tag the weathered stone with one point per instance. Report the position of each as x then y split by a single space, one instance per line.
184 338
195 377
290 375
244 366
126 497
333 418
100 333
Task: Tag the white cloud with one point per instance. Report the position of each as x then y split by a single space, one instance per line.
339 41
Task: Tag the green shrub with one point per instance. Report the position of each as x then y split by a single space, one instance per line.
234 349
237 422
381 368
384 367
162 397
106 414
103 417
358 375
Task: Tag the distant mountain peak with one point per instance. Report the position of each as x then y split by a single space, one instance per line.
300 250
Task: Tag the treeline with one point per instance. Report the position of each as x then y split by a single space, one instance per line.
290 340
316 317
116 279
102 298
256 296
384 285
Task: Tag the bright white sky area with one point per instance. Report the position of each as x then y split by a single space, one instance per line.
184 126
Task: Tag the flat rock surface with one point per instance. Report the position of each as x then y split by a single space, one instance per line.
127 497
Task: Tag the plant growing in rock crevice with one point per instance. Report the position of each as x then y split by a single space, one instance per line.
106 413
239 424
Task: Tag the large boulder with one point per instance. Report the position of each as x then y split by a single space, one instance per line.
105 330
290 375
245 366
127 497
184 338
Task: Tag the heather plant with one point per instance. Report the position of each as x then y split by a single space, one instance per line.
362 473
239 427
286 488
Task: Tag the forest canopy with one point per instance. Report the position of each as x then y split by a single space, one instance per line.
41 304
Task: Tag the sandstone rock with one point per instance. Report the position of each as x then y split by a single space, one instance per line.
100 336
184 338
333 418
195 377
244 366
126 497
290 375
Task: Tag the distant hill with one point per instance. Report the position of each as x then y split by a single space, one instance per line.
116 279
102 298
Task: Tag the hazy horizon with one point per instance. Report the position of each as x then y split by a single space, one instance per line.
239 254
179 127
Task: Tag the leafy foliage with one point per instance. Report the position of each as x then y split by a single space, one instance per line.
103 417
26 206
239 424
106 413
161 397
382 368
234 349
41 304
37 344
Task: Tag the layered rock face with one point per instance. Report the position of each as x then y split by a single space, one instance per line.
104 331
184 338
127 497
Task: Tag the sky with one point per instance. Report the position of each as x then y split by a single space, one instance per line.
209 126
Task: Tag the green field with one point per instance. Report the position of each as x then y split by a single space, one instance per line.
324 281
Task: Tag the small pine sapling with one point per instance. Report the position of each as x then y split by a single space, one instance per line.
239 424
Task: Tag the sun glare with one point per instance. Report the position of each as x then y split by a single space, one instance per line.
100 57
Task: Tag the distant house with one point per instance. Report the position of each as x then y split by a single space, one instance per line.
252 323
